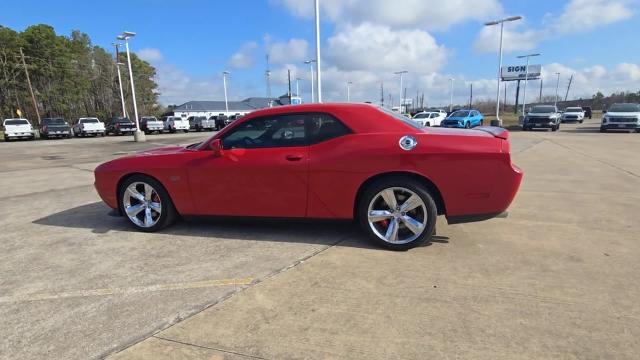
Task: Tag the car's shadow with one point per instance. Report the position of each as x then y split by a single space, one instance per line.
101 220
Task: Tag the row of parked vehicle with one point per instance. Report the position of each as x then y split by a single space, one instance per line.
457 119
91 126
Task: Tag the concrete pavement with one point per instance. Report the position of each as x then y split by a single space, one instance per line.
556 280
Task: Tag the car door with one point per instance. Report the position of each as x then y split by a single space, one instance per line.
262 170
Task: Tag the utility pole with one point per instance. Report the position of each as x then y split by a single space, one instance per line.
403 101
526 80
540 97
505 95
124 111
557 85
382 94
33 97
515 108
470 95
289 81
268 76
400 73
349 91
318 69
568 87
451 95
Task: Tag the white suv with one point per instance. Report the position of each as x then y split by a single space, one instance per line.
573 114
18 128
621 117
430 118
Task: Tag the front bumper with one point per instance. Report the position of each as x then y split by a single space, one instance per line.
452 125
539 123
620 126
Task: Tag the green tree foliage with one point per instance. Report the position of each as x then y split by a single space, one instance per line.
71 77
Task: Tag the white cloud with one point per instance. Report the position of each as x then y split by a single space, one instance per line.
150 55
424 14
577 16
294 50
378 48
244 58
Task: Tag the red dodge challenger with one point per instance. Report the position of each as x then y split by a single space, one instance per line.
322 161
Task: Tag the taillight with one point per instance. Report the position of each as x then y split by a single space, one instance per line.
44 128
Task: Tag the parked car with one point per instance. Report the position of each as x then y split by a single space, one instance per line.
221 121
175 123
150 124
573 114
542 116
334 161
463 119
232 118
54 127
587 111
17 129
121 126
621 117
89 126
430 118
199 123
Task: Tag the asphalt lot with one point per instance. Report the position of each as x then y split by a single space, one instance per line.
557 279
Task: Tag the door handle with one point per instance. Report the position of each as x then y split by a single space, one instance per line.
293 157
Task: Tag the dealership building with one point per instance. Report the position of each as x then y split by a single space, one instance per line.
212 108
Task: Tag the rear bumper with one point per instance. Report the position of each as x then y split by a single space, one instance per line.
620 126
19 134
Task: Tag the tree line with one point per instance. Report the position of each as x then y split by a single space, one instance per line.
70 77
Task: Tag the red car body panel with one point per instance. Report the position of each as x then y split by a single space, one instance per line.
471 169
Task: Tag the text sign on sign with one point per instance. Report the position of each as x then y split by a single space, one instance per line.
519 72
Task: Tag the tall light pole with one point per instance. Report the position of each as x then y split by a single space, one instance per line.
501 22
526 79
557 85
400 73
118 63
224 84
310 63
318 70
138 136
349 91
450 94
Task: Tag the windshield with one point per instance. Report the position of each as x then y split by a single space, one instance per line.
422 116
57 121
149 118
625 108
89 121
576 109
543 109
16 122
460 113
400 117
123 120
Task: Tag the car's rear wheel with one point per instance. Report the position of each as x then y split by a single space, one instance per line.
397 213
146 203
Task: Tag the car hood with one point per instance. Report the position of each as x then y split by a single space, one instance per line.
456 118
622 114
165 150
540 114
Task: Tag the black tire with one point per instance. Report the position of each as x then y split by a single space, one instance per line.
581 121
172 130
404 182
168 213
467 125
602 130
7 139
525 128
637 130
185 131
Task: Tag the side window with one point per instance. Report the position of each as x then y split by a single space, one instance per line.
434 115
323 127
266 132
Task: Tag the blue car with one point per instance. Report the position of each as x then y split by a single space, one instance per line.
463 119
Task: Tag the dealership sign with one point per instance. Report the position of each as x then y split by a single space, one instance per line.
519 72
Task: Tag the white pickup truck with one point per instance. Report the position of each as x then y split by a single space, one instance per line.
17 129
89 126
175 123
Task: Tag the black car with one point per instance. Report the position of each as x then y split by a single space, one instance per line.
587 111
120 126
54 127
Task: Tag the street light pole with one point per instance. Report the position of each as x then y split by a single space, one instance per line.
310 63
557 85
318 51
526 79
124 111
224 84
349 91
451 94
400 73
138 136
501 22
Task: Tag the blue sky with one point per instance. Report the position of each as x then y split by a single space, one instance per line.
191 42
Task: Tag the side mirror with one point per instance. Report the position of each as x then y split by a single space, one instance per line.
216 147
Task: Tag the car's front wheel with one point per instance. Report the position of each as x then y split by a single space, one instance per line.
146 203
397 213
467 125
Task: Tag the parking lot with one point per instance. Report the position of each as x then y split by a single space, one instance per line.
557 279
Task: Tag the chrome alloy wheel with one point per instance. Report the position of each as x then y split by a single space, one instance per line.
142 204
397 215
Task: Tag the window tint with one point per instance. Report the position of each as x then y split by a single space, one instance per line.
323 127
265 132
434 115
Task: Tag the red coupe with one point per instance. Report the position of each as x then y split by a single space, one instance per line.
327 161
